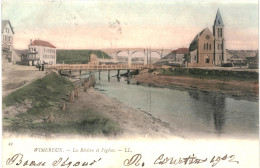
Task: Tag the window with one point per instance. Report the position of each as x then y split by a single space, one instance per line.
204 46
209 46
195 57
218 46
221 47
221 32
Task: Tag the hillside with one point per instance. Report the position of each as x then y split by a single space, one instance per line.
241 53
36 109
78 56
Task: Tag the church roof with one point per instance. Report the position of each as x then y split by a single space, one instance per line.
218 20
198 35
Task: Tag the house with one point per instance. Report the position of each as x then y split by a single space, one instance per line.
7 42
176 57
181 55
208 49
23 54
40 51
16 57
253 62
93 60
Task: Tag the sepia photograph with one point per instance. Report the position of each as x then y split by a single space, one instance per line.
130 83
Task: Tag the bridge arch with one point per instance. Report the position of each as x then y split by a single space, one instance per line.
122 53
138 53
157 53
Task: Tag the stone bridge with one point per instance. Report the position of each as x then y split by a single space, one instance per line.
147 52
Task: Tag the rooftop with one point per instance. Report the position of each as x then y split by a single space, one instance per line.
42 43
4 23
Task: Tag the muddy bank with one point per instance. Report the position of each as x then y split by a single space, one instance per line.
246 90
133 122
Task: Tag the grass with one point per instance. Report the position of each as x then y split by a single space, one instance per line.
89 123
211 74
43 93
46 95
78 56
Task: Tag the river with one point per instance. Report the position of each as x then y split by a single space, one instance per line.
193 113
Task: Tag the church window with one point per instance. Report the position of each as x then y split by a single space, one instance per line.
218 46
204 46
207 37
195 57
207 46
220 32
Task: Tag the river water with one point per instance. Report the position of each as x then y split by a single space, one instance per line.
192 113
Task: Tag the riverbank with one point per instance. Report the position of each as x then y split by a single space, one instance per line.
238 89
133 122
43 108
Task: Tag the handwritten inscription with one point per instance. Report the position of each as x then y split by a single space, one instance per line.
136 160
186 160
18 160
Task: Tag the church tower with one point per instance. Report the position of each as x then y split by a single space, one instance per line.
219 45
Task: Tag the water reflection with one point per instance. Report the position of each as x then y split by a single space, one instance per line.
193 112
215 105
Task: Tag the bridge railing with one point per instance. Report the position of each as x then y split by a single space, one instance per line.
93 67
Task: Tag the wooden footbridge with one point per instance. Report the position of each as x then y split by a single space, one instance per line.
72 67
88 67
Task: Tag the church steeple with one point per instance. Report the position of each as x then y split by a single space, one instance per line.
218 20
219 41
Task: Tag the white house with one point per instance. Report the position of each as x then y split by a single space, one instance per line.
41 52
7 42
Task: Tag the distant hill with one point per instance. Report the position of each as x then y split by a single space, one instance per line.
241 53
78 56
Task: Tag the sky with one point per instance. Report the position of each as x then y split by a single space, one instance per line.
97 24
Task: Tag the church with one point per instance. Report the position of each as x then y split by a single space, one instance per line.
207 49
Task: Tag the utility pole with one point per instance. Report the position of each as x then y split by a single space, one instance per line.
150 56
147 60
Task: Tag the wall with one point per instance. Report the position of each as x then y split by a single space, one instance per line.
16 58
199 65
206 39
